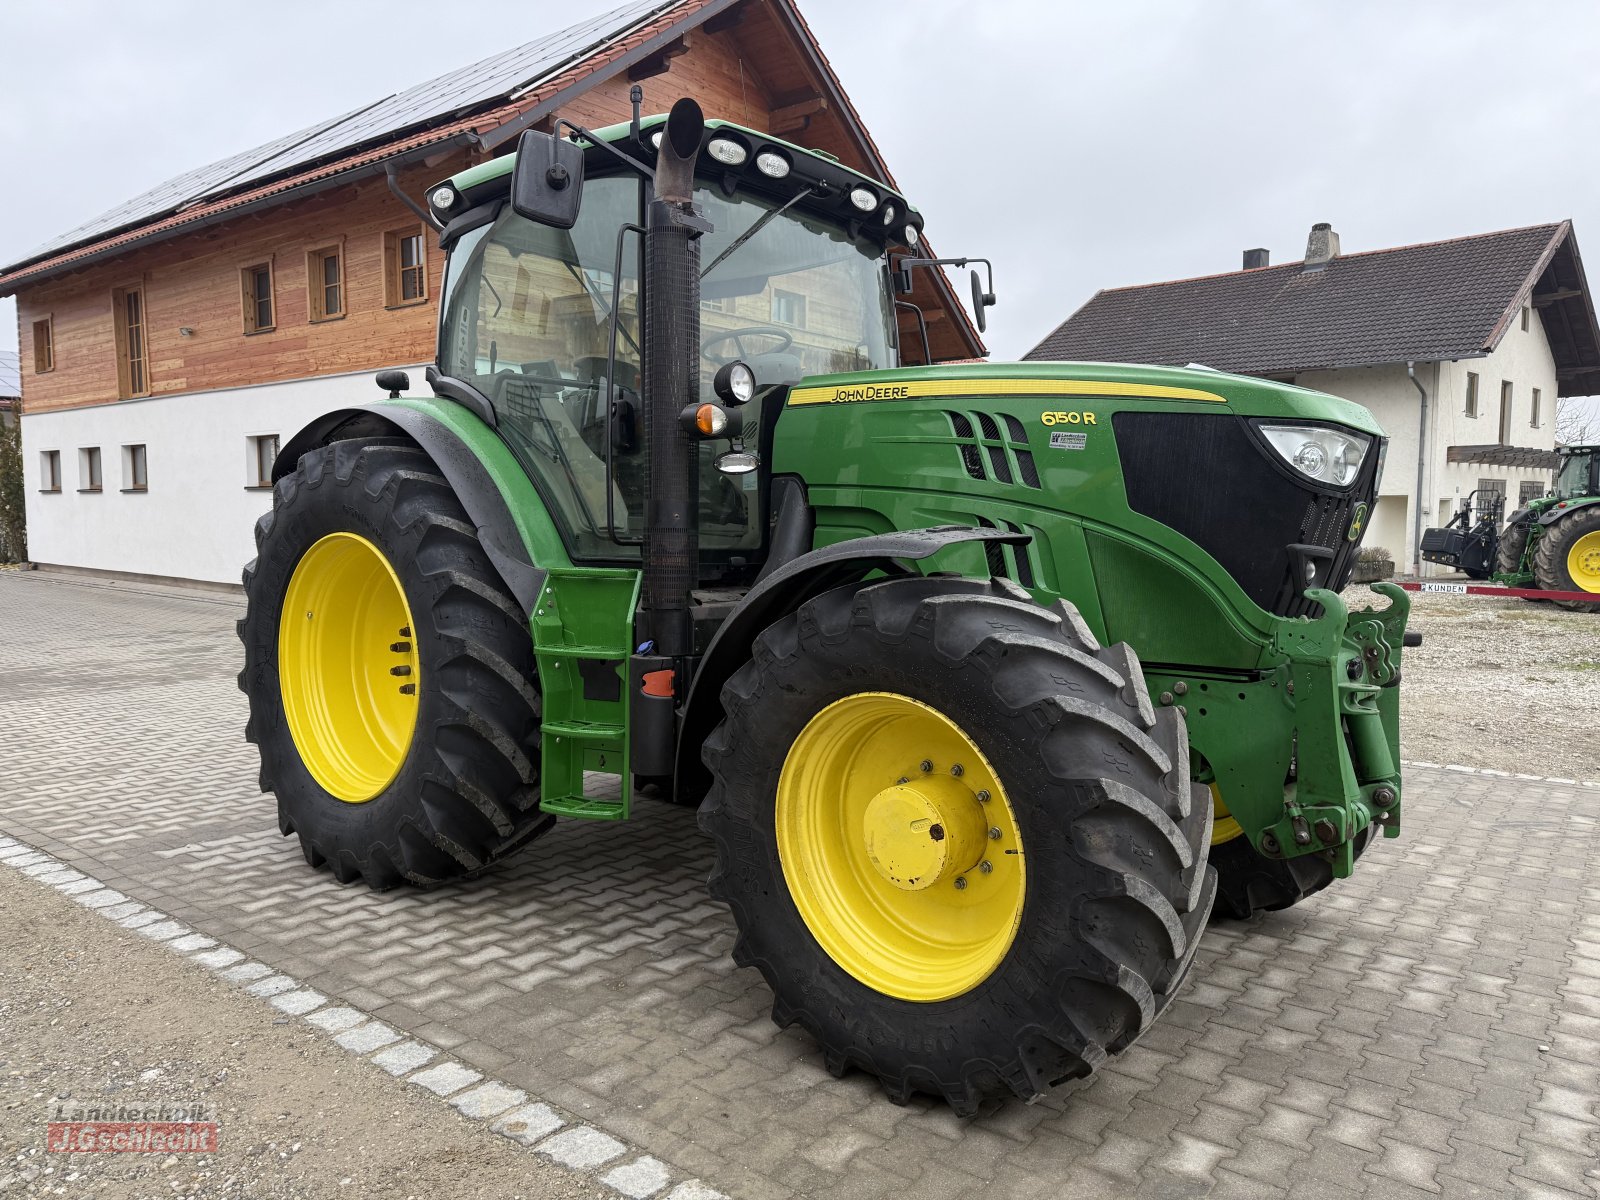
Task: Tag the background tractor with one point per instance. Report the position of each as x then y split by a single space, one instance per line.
989 679
1554 542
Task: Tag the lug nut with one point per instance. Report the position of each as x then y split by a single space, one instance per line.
961 883
405 631
994 833
986 866
401 647
926 765
408 689
958 770
400 670
983 797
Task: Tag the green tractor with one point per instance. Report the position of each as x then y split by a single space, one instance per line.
989 679
1553 543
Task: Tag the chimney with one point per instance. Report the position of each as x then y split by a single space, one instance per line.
1322 247
1255 259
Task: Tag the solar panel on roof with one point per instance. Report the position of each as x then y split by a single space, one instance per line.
460 90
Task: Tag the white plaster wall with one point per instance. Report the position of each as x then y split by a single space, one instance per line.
1523 358
196 521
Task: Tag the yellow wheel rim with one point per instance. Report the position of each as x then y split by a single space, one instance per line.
1224 828
347 667
1583 562
899 847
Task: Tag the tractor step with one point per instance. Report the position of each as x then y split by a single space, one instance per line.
582 628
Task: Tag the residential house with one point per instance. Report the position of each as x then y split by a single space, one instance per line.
1460 348
172 344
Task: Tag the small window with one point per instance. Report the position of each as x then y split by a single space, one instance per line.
263 453
1472 394
44 347
134 476
132 373
1525 311
49 470
1505 412
257 283
1531 490
405 268
789 308
325 279
89 469
1533 410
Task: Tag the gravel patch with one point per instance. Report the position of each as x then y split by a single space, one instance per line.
1511 685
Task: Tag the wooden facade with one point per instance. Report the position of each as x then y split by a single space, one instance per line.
745 64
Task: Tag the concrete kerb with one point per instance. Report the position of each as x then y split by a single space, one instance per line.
530 1122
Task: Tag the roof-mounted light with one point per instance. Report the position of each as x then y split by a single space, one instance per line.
863 198
911 235
727 151
772 164
443 196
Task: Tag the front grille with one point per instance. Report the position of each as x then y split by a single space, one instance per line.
1211 479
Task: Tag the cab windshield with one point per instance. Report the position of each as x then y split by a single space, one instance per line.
1572 479
527 322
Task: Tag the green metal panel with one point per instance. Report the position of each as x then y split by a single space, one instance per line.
539 534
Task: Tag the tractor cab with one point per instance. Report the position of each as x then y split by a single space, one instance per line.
541 325
1579 473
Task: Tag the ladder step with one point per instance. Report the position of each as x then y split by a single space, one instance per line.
585 731
585 807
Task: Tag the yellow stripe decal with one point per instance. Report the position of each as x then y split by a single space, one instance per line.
978 388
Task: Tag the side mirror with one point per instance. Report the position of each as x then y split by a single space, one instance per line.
393 382
548 185
981 300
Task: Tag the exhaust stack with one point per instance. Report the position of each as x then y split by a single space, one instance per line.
671 381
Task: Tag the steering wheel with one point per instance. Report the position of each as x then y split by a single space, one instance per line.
737 336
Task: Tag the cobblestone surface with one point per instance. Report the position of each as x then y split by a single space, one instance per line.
1430 1027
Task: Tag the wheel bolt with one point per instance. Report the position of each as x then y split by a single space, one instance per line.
902 779
958 770
409 689
401 670
401 647
983 797
986 866
961 883
994 833
927 765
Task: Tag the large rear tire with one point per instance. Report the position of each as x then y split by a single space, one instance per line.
390 673
957 840
1567 558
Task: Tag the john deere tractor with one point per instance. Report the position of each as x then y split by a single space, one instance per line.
989 679
1553 543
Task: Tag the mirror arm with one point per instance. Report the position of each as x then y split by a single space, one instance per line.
922 326
580 132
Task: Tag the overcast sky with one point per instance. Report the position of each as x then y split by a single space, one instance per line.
1080 145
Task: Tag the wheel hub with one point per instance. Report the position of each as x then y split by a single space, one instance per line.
1583 562
923 833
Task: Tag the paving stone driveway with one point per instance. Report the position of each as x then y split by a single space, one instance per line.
1432 1026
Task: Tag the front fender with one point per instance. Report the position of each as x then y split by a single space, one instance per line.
512 522
1555 512
779 594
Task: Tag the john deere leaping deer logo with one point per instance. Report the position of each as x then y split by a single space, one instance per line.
1358 523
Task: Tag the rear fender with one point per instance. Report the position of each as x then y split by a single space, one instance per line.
512 522
780 594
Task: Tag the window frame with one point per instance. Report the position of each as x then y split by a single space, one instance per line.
50 475
1507 396
91 466
393 272
128 364
1472 407
135 463
317 288
249 302
789 297
253 464
45 324
1534 403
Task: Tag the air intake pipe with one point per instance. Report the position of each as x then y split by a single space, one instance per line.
671 381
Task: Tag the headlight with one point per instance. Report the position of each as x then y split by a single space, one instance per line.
773 164
727 151
864 198
1319 452
735 383
443 197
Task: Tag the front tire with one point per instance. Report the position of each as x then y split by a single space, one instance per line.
866 704
390 673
